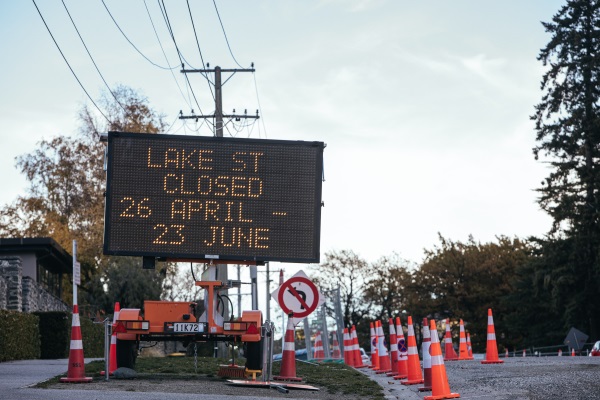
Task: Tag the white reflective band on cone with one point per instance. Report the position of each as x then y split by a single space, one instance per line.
491 336
412 351
437 360
287 346
490 320
76 345
75 320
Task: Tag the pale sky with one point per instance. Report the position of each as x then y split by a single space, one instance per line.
424 105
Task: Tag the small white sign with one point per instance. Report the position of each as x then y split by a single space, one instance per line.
76 273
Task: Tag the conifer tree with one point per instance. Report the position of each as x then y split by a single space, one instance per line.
568 137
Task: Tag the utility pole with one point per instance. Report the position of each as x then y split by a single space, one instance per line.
218 115
221 273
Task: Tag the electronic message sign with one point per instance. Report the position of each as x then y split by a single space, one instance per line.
193 197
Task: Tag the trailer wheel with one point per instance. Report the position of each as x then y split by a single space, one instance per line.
126 353
253 353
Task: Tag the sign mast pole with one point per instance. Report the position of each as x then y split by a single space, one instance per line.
76 272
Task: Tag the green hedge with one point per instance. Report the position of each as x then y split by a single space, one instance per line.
55 328
46 335
19 336
93 338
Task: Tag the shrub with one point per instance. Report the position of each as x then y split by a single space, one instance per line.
19 336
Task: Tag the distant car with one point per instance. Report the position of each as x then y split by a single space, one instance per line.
595 350
300 355
366 360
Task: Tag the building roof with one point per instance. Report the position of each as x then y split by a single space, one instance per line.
48 253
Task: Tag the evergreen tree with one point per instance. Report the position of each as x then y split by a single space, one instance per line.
568 135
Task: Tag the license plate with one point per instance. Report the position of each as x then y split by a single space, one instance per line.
188 327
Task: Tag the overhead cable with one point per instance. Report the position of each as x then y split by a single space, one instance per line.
166 18
199 50
130 42
225 34
187 100
69 65
92 58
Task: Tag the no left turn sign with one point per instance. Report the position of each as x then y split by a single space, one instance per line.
298 295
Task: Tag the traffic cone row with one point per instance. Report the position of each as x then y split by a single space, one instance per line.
76 369
404 361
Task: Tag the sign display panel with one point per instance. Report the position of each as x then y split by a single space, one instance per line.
193 197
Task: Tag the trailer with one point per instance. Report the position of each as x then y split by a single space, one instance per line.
186 322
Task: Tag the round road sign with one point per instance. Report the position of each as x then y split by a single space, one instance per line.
298 295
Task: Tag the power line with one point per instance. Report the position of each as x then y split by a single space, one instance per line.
69 65
166 18
225 34
199 50
92 58
166 58
130 42
259 107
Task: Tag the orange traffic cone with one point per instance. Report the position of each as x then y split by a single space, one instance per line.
414 366
112 360
382 351
469 347
288 358
426 357
393 348
491 351
318 352
358 363
573 352
450 354
335 347
463 351
348 353
440 389
560 352
402 352
506 353
525 353
76 370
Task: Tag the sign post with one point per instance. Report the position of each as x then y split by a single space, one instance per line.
76 272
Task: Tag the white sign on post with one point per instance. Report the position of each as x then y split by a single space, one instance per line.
76 273
298 295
